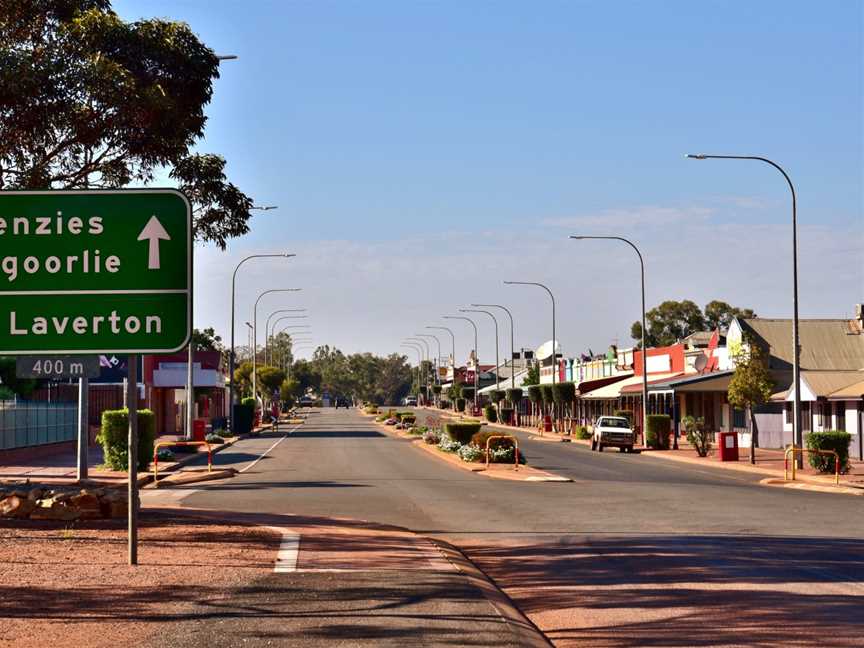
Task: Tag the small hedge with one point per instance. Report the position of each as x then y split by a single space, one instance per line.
514 396
249 402
480 438
547 394
535 394
491 414
114 436
461 432
466 392
657 435
507 415
436 389
497 395
564 393
406 417
582 433
830 440
460 404
628 414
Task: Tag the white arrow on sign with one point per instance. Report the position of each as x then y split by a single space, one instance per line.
153 231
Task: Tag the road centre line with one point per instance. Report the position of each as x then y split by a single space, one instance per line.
267 451
289 550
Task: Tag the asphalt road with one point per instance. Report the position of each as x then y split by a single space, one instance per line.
634 552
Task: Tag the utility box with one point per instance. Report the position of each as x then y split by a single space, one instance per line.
728 446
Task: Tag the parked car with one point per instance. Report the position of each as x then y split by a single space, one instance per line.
409 401
612 432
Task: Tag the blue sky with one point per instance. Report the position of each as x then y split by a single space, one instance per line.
449 145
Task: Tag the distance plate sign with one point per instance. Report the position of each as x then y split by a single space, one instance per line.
95 271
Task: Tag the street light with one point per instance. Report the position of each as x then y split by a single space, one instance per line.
452 342
476 355
554 341
269 330
438 342
231 355
497 360
418 349
255 336
797 432
263 207
644 346
512 350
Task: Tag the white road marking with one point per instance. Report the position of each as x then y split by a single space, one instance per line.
289 550
267 451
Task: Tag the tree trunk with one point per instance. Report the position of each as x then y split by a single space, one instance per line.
754 435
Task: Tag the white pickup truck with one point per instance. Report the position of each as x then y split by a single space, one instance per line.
612 431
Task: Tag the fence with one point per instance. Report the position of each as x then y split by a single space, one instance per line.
25 424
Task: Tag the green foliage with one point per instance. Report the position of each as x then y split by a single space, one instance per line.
243 378
289 391
461 432
497 396
453 391
114 437
470 453
532 377
582 433
628 414
564 393
547 394
506 415
672 321
514 396
92 101
535 394
751 384
466 392
249 403
206 340
831 440
697 435
657 434
460 404
436 389
270 379
406 417
18 386
490 413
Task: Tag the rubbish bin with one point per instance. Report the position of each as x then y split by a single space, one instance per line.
728 446
242 420
199 429
547 423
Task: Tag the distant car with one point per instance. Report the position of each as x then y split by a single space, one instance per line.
409 401
612 432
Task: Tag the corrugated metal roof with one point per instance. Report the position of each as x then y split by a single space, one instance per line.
614 390
851 391
822 383
826 344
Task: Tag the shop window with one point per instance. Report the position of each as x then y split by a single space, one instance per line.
738 419
787 413
840 414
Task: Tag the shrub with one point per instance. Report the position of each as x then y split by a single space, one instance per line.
448 445
514 396
657 434
504 455
249 402
436 389
497 395
546 394
535 394
491 414
114 435
564 393
214 438
165 454
480 438
461 432
432 437
371 409
470 453
831 440
460 404
406 417
697 436
466 392
507 415
582 432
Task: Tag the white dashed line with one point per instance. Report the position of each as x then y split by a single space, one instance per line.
267 451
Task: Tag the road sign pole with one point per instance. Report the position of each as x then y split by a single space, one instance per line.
190 393
132 447
83 426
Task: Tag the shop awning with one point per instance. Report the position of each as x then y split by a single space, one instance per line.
633 384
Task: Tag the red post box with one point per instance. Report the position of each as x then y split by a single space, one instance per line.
728 446
199 429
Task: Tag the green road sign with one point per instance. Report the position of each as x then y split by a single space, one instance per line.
95 271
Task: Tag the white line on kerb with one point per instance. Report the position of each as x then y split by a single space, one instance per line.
289 549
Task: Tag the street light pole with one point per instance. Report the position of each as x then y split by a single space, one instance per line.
512 350
419 350
267 328
255 337
272 331
452 342
644 346
231 359
554 341
438 358
476 356
497 359
797 432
